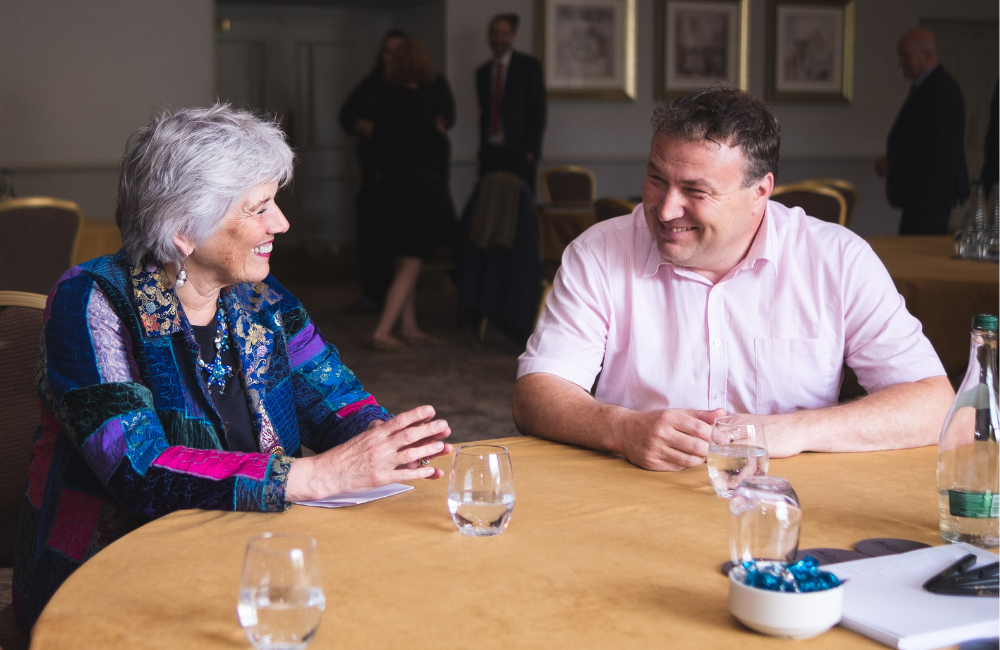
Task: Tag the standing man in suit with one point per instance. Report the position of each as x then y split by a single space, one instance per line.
512 105
924 165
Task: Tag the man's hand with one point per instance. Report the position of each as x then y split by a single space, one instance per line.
667 440
882 166
364 128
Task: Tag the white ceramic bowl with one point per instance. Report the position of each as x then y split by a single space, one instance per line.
783 614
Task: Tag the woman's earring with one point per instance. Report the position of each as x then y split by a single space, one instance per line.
182 275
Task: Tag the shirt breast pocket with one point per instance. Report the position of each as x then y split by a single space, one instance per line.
793 374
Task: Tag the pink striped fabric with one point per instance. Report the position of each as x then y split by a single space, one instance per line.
213 464
770 337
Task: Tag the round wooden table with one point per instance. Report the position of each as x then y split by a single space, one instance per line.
599 554
944 293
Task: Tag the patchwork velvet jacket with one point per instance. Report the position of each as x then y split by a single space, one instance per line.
129 432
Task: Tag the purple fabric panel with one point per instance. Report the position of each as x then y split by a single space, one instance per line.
107 334
105 448
305 345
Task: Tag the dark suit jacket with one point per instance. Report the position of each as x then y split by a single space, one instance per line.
926 155
522 107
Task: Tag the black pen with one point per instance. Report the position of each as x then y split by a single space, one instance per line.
953 570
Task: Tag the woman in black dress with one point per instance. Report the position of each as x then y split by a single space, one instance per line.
410 146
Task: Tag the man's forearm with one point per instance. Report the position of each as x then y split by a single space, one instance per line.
897 417
554 408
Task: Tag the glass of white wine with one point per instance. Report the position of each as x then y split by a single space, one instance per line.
281 596
481 489
738 450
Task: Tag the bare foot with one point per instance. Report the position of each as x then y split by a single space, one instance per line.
389 344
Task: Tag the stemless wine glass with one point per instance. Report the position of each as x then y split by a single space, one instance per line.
481 489
764 523
737 450
281 596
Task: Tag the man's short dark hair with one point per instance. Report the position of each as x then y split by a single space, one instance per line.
512 19
728 116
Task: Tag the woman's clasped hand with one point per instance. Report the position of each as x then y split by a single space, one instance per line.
387 452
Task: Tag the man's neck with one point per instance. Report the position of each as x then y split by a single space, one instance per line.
505 57
923 75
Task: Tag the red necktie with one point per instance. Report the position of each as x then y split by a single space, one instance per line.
497 92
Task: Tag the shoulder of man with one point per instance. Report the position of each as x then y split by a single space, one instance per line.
795 229
616 236
525 60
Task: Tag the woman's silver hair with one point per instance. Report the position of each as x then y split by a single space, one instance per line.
183 172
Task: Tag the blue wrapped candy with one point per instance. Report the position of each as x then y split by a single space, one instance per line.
803 576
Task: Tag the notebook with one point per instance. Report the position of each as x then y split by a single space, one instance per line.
884 600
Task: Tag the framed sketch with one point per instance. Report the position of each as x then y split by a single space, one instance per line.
810 50
701 43
587 48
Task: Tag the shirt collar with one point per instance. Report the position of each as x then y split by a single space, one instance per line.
763 248
923 77
505 59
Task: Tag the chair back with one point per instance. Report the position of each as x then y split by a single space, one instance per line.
817 200
609 207
847 190
20 334
569 184
47 235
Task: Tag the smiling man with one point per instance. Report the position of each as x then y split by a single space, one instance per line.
709 299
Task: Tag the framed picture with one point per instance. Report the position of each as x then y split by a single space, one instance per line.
810 50
701 43
588 48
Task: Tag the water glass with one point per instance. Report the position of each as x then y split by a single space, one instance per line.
481 489
764 522
281 596
736 451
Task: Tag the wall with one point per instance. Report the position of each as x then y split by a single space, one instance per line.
79 77
612 138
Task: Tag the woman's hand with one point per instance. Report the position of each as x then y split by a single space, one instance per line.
387 452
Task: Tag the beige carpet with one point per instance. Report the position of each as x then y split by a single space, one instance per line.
468 384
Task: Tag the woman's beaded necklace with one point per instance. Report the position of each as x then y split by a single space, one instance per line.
218 373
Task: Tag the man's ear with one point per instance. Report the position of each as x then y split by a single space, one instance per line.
184 245
765 186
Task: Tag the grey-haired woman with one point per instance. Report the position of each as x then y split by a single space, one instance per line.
178 373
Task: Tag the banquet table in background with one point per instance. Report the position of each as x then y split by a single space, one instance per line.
599 554
944 293
560 225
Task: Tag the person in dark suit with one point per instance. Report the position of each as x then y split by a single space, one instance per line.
924 165
512 105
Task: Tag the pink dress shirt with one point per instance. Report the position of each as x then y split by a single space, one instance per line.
770 337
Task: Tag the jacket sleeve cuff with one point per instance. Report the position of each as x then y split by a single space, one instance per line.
275 484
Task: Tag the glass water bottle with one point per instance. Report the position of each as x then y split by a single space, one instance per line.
968 475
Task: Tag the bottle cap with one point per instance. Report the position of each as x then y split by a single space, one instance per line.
985 322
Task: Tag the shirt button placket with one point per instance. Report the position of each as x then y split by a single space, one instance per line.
716 356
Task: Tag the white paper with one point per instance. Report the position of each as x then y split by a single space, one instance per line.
341 500
884 599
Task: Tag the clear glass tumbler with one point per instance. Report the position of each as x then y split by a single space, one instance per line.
737 450
281 596
764 523
481 489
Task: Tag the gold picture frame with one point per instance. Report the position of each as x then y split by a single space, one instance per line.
587 48
810 51
701 43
